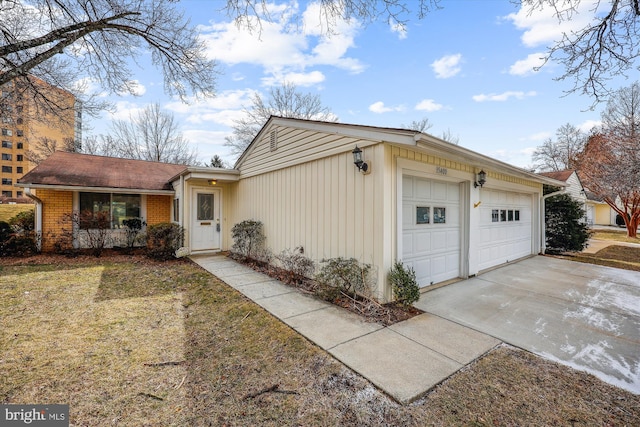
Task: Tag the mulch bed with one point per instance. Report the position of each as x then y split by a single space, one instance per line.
372 311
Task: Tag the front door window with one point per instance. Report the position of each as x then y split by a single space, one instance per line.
205 207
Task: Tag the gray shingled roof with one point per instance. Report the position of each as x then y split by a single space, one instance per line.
84 170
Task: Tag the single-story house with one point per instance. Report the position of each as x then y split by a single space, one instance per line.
597 211
573 187
337 190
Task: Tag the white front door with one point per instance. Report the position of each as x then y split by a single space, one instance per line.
205 220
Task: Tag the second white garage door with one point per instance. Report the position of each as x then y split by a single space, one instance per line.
505 227
431 229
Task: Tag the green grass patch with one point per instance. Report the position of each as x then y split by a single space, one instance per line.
9 211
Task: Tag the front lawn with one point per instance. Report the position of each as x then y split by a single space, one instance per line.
136 342
615 235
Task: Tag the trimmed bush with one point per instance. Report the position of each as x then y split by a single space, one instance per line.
24 221
566 229
16 243
404 284
163 240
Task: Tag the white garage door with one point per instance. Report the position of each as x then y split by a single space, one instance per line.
505 227
431 230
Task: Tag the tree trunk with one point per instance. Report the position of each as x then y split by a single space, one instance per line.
632 227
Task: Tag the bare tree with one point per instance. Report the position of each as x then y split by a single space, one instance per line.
43 147
283 101
610 163
152 135
607 46
63 41
563 153
449 137
422 125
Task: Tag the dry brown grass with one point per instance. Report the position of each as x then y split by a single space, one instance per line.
624 257
617 236
9 211
81 334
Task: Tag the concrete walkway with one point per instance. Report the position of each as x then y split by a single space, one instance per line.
404 360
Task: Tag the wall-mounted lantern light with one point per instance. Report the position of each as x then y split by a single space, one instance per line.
357 160
482 178
213 181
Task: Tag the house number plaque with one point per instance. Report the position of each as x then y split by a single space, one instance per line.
441 170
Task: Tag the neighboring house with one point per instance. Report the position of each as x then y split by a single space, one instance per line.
598 211
573 187
420 200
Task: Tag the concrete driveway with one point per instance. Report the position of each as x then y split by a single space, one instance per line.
581 315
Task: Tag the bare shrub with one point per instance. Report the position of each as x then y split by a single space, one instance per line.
346 275
297 266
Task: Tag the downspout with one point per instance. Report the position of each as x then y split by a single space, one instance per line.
181 202
543 227
38 216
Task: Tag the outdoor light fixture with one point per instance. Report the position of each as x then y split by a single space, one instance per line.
357 160
213 181
482 178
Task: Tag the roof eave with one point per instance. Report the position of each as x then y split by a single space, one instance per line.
483 162
226 175
95 189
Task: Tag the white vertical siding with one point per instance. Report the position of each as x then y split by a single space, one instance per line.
326 206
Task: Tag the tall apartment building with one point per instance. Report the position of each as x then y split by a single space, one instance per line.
24 122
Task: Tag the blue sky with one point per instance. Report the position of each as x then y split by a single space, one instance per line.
468 68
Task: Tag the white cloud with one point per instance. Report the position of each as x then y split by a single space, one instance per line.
429 105
379 107
505 96
132 87
540 136
283 47
208 143
224 109
447 66
399 29
588 125
124 110
541 25
299 79
527 66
